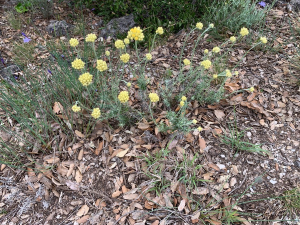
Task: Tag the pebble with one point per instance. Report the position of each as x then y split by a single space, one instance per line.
273 181
221 166
297 163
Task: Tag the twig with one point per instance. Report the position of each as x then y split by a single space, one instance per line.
126 214
239 185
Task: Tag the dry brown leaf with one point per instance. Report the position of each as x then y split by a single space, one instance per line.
78 176
83 219
130 196
80 155
50 159
58 108
116 194
181 205
83 210
122 153
200 191
72 185
143 126
214 166
79 134
202 143
219 114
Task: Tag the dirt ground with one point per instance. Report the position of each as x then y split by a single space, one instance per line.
101 179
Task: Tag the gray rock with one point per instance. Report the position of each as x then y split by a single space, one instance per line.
10 73
118 26
59 28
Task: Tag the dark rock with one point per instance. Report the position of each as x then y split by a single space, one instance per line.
118 26
297 164
59 28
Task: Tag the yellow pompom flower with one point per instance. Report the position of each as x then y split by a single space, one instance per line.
107 53
73 42
85 79
251 89
186 62
228 73
200 129
211 25
101 65
76 108
236 73
96 113
126 41
244 31
216 50
90 38
119 44
215 76
199 26
125 57
160 30
206 64
123 96
128 84
181 103
136 33
78 64
263 40
148 56
206 51
153 97
183 98
194 121
232 39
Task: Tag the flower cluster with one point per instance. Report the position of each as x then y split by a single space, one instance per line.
107 53
199 26
76 108
206 64
96 113
119 44
216 50
215 76
91 38
123 96
136 33
85 79
183 100
160 30
73 42
199 129
78 64
244 31
194 121
125 57
128 84
228 73
148 56
126 41
205 51
186 62
232 39
153 97
251 89
211 25
263 40
101 65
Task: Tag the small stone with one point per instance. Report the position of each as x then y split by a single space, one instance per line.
273 181
297 163
221 166
59 28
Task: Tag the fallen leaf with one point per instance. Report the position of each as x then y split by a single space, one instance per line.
202 143
57 108
83 219
219 114
143 126
78 176
130 196
122 153
83 210
116 194
79 134
72 185
181 205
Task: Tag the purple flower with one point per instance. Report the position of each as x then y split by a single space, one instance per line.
49 71
62 56
2 60
262 4
93 9
24 34
26 40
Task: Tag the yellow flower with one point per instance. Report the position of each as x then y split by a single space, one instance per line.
232 39
128 84
107 53
119 44
181 103
186 62
148 56
101 65
183 98
199 26
244 31
228 73
126 41
215 76
160 30
251 89
85 79
263 40
216 50
78 64
200 129
211 25
96 113
153 97
123 96
73 42
206 64
236 73
76 108
206 51
91 38
194 121
136 33
125 57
